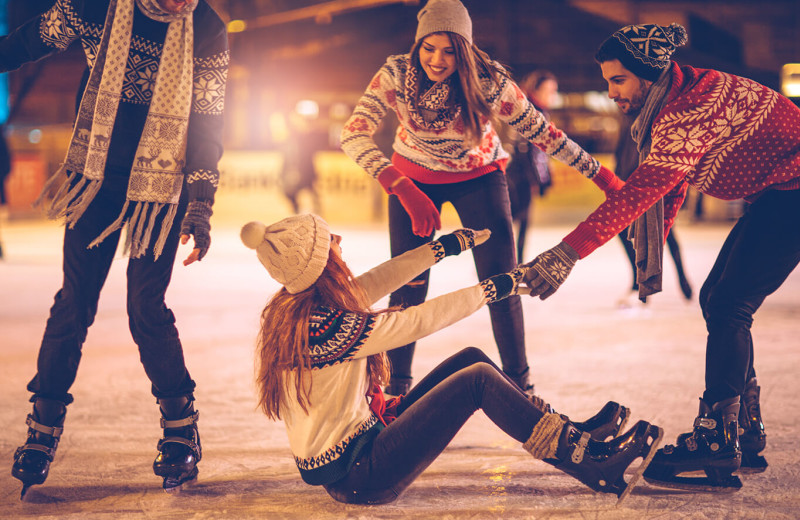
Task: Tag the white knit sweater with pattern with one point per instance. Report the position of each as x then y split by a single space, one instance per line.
326 440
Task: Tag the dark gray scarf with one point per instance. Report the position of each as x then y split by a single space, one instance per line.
647 232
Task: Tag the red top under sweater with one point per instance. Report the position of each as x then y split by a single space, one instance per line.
727 136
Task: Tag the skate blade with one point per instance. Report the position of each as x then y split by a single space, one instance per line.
175 486
625 414
729 485
752 464
24 491
643 466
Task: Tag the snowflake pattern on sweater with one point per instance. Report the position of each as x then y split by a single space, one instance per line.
69 20
443 149
727 136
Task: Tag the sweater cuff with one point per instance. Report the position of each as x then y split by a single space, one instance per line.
202 185
583 240
607 181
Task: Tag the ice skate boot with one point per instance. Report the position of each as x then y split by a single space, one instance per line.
712 447
179 450
32 459
752 438
599 465
605 424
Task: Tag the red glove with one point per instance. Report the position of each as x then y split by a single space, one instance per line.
607 181
424 215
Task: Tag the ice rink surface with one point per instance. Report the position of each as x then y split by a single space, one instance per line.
583 351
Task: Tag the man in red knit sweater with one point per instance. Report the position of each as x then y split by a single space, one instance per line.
730 138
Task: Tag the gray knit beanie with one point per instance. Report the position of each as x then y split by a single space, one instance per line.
294 250
444 16
646 49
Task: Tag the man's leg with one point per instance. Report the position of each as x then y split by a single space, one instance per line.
152 325
85 271
759 254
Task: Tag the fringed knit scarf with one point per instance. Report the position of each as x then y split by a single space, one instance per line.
157 174
647 232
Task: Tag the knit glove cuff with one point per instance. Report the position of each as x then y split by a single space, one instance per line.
501 286
197 223
457 241
550 269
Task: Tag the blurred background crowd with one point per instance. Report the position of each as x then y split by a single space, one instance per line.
299 66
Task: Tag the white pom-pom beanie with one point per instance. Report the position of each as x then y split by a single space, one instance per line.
294 250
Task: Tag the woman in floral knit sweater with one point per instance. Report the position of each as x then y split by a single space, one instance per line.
731 138
446 93
321 363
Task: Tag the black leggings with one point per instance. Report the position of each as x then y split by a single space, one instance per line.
480 203
429 417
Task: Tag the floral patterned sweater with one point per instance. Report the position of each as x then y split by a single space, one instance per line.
436 153
84 20
727 136
326 440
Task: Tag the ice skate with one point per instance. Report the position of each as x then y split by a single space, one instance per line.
179 450
712 448
752 438
599 465
32 459
605 424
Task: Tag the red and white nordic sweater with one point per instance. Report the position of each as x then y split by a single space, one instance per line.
442 155
727 136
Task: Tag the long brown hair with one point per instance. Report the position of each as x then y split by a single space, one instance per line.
282 346
471 62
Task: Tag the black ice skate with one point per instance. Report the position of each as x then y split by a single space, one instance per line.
602 465
752 438
712 447
179 449
32 459
605 424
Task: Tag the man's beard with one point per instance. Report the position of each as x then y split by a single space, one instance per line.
638 99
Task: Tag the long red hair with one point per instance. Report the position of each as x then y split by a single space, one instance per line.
282 346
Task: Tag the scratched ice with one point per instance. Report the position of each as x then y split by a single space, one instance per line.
583 351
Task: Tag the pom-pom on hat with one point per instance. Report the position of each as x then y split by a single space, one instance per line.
444 16
294 250
646 50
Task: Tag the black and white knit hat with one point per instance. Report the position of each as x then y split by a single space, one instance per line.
294 250
444 16
646 50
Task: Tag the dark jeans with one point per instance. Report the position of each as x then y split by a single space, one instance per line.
429 417
151 323
480 203
762 249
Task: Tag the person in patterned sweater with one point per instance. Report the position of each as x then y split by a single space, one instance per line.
143 155
446 93
730 138
321 364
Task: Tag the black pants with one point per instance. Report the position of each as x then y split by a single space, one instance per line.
762 249
429 417
480 203
151 323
